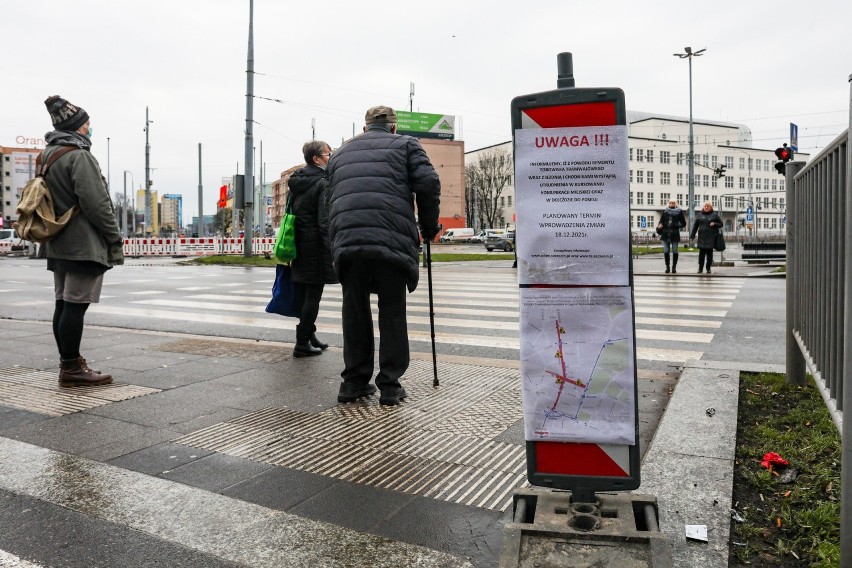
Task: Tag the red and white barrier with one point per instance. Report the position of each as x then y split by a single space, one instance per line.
198 246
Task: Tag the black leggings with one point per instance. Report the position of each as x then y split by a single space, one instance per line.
68 327
705 256
309 297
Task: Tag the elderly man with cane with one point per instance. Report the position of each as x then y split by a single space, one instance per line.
375 180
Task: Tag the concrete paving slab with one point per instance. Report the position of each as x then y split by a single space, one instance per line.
205 522
76 433
281 488
215 472
158 458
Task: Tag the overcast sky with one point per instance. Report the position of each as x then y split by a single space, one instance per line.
765 66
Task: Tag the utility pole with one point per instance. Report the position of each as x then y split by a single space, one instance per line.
200 229
411 97
313 129
248 213
148 226
261 200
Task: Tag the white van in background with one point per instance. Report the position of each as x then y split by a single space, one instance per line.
463 235
9 235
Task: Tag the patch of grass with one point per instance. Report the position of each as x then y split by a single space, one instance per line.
785 524
641 250
239 260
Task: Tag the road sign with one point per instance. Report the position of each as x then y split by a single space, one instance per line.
643 222
572 192
794 137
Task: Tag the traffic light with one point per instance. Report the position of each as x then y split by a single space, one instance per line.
784 154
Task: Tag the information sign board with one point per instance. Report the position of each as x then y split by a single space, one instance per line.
578 364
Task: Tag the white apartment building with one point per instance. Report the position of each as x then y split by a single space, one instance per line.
659 148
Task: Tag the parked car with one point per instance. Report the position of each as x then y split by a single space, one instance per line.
503 240
478 237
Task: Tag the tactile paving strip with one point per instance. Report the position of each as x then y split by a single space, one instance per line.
226 349
439 443
38 391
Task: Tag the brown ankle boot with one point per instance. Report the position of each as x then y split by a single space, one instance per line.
75 373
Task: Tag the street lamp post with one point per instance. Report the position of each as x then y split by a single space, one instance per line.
689 54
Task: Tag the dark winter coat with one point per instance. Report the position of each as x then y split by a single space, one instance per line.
707 226
672 222
308 192
92 235
375 179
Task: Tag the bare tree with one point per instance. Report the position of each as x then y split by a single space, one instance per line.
123 207
224 218
485 181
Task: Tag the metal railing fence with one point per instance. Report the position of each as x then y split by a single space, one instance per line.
819 294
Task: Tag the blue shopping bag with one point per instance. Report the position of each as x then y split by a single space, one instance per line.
284 290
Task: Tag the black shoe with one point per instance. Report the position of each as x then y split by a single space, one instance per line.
306 350
674 270
668 270
350 392
708 271
392 395
700 271
317 343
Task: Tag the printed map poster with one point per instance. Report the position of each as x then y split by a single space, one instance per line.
573 203
577 365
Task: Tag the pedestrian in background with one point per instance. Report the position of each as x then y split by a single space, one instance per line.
88 246
312 268
669 230
707 226
376 178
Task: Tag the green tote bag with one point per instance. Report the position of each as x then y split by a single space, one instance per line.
285 242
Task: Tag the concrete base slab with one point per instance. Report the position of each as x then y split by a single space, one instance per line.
551 530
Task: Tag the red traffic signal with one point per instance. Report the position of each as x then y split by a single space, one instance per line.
784 153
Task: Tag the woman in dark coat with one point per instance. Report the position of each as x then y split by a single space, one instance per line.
312 268
707 225
669 230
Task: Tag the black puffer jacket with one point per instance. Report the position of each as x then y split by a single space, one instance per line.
670 224
308 188
375 179
707 225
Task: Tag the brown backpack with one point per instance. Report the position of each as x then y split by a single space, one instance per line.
37 220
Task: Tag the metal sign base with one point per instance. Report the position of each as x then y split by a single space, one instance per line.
551 529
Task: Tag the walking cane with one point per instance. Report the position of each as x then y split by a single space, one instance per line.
428 260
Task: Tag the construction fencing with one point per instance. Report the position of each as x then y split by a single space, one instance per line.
202 246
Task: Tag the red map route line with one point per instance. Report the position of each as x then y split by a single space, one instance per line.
563 378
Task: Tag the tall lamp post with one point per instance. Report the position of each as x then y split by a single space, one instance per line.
689 54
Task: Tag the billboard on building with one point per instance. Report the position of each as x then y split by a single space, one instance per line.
23 169
424 125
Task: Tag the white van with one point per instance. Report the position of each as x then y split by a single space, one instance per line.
8 235
463 235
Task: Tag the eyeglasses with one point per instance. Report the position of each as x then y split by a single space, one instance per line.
327 155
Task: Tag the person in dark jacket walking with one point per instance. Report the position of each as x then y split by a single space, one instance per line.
312 268
376 178
707 226
669 230
88 246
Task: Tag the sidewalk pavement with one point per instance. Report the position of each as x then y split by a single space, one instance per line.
219 452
